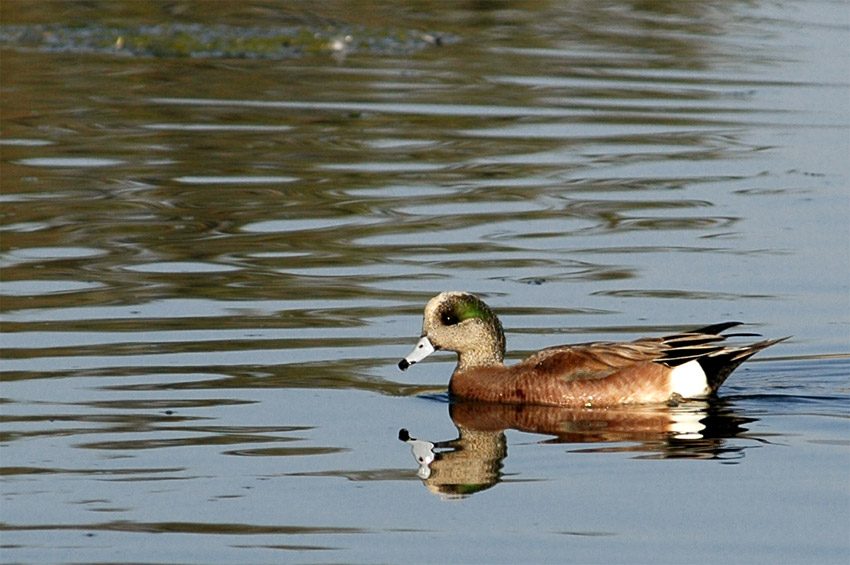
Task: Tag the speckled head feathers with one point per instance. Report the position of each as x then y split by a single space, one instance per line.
461 322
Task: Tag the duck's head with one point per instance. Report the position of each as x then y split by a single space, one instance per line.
460 322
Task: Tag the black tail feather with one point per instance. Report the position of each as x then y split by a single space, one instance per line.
719 365
716 329
716 360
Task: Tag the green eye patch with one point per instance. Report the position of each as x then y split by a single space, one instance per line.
464 308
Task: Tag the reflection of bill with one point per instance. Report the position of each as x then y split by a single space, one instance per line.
423 452
473 461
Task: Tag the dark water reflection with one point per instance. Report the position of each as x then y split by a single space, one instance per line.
210 266
473 462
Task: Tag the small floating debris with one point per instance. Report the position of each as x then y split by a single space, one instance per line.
218 41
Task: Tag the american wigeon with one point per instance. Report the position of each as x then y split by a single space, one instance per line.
647 370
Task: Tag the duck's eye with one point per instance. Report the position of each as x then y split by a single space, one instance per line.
448 319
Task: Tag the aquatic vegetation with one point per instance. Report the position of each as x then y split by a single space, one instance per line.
217 41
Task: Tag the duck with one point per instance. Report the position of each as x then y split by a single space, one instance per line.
689 365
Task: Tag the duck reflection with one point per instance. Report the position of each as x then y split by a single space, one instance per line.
473 461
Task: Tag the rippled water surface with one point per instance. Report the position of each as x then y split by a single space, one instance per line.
212 261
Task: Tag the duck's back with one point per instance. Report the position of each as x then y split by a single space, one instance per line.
591 360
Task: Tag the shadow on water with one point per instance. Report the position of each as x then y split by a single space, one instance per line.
473 461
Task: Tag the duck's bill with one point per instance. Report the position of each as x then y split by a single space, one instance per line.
422 350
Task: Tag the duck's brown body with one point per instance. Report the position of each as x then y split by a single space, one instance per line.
647 370
568 376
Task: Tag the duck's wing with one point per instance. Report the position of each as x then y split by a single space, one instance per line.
601 359
593 360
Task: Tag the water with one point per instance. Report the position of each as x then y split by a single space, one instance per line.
212 265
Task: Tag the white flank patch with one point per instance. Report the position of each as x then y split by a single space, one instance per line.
689 381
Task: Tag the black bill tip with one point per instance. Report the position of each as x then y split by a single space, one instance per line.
403 364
